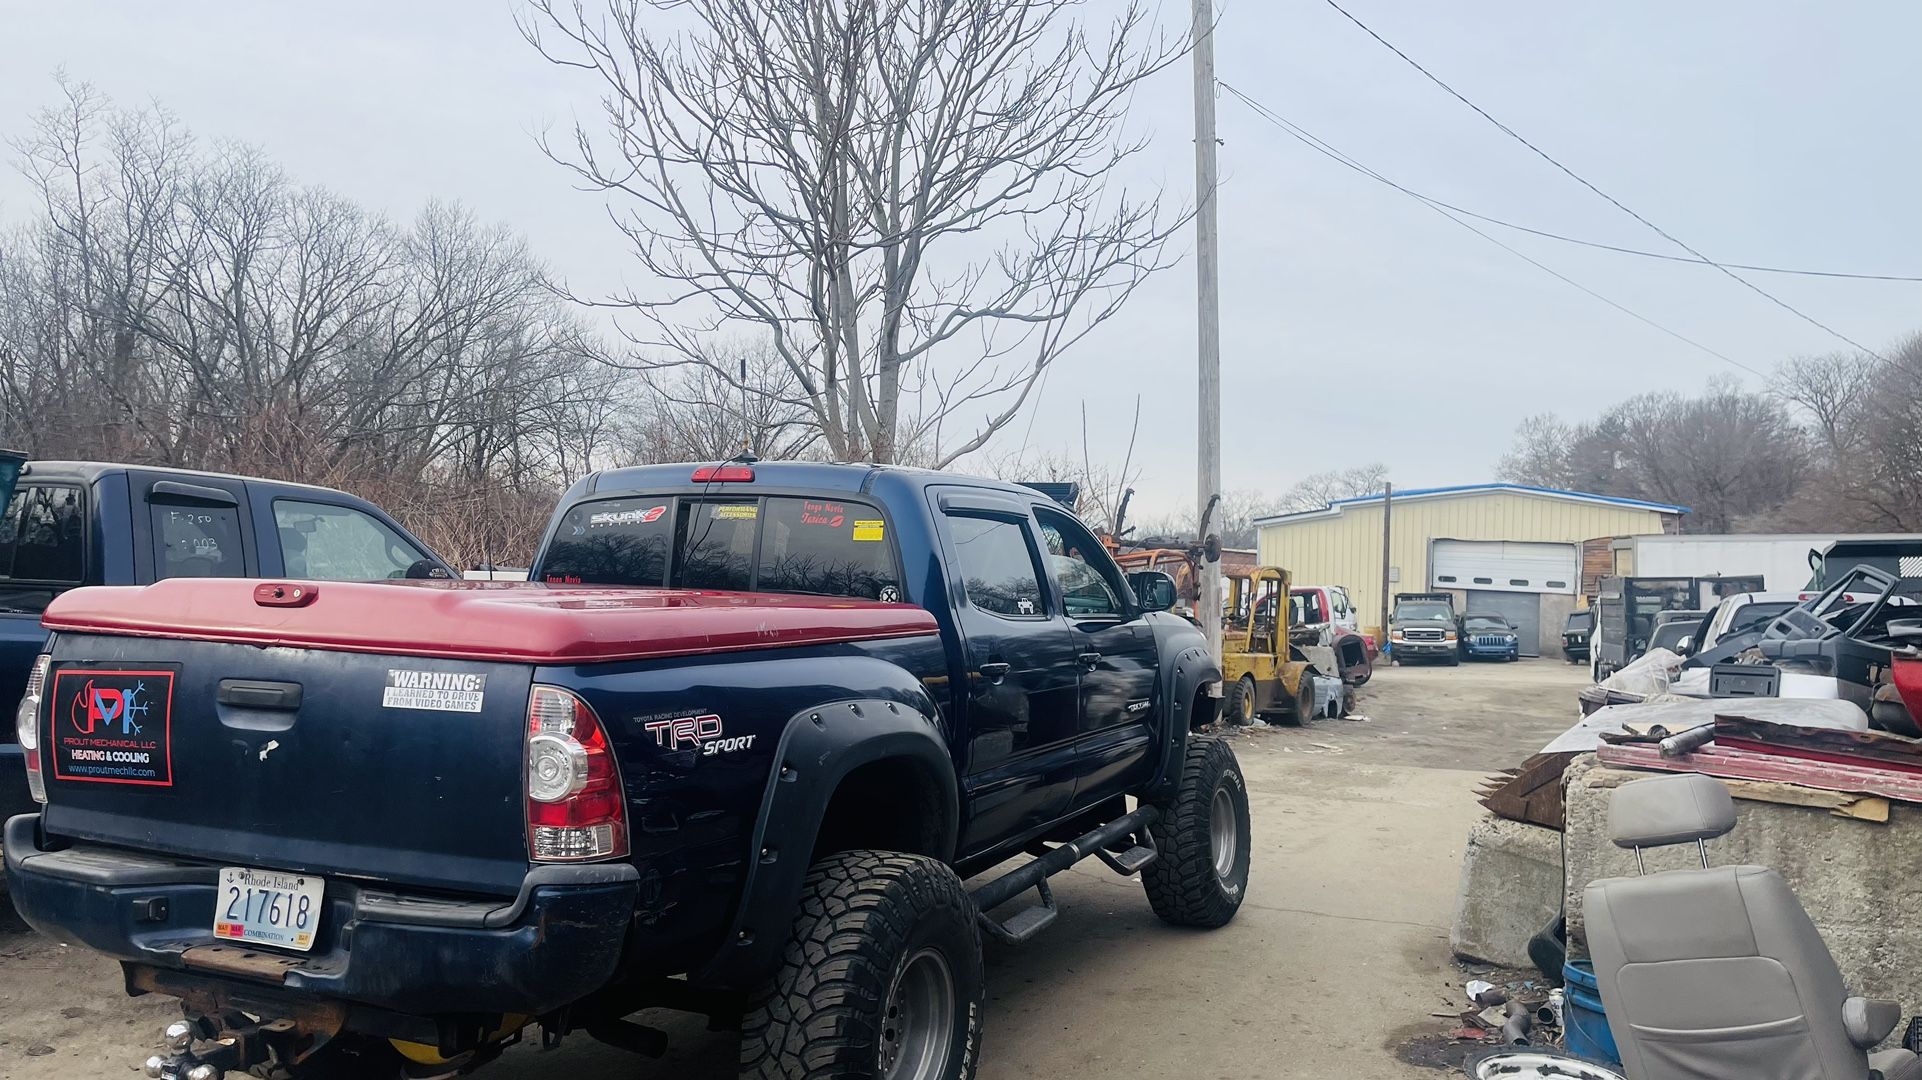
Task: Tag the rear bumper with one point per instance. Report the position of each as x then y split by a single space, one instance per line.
559 940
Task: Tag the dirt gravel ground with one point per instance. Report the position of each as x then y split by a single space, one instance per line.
1335 962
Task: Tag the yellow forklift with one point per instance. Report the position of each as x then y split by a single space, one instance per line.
1263 674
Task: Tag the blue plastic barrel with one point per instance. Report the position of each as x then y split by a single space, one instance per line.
1584 1021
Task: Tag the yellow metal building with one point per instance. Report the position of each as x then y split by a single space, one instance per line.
1505 548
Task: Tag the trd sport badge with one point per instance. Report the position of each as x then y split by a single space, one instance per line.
113 726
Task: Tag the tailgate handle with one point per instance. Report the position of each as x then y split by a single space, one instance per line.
255 694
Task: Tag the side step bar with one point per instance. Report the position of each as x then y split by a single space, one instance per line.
1028 922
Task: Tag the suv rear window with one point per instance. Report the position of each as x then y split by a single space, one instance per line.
42 546
826 547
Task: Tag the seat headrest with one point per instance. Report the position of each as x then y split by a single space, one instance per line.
1677 809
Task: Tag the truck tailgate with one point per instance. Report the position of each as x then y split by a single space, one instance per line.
394 768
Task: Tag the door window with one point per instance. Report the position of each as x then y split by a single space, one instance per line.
329 542
997 566
196 541
1089 583
42 546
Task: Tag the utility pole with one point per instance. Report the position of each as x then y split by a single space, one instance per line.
1208 314
1387 571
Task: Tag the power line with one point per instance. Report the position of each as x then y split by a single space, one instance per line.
1578 178
1316 144
1601 245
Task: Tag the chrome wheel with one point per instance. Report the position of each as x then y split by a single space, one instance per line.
917 1028
1222 833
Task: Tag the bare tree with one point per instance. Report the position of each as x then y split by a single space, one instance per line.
694 413
1320 489
169 303
1541 454
913 200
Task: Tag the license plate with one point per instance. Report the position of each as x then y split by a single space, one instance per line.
268 907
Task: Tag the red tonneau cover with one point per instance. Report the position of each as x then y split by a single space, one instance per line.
515 622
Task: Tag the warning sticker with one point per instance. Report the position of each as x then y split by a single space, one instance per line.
440 691
870 530
737 512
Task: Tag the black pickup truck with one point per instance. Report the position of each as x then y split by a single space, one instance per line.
735 751
73 523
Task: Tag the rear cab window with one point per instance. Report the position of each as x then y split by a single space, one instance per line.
42 546
777 543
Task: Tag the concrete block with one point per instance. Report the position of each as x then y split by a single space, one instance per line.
1510 886
1856 879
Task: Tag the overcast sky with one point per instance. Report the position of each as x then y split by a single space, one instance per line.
1357 324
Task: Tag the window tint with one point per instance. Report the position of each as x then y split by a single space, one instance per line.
996 565
611 542
826 547
41 546
41 535
1080 566
716 542
340 543
196 541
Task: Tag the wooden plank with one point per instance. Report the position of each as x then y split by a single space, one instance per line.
1714 760
1840 803
1820 744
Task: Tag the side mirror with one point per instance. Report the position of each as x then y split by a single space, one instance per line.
1154 589
1686 645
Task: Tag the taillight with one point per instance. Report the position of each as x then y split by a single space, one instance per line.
575 807
26 725
723 474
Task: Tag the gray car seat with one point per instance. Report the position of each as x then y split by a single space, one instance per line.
1717 973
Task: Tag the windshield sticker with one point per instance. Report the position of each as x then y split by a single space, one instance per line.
830 514
113 726
607 518
889 595
440 691
870 530
736 511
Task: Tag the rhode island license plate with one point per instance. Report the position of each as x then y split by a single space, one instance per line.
268 907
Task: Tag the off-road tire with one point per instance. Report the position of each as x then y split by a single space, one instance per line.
1237 709
1184 886
861 918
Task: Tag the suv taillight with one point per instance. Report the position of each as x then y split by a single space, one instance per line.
26 726
575 807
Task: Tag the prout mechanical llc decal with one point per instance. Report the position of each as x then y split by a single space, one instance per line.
113 726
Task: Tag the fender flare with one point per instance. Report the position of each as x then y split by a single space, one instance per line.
1187 665
819 747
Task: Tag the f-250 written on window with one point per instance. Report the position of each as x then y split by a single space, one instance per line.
196 541
823 546
41 546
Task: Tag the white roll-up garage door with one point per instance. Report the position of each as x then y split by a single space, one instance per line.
1505 566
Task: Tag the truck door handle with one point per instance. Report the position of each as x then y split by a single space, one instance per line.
995 671
1089 658
256 694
